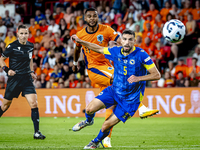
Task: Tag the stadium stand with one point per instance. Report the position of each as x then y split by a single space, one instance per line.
51 23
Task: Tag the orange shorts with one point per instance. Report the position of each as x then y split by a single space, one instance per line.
101 75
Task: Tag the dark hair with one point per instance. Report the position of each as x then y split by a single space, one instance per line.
179 72
90 9
169 14
114 27
38 30
22 27
127 31
195 58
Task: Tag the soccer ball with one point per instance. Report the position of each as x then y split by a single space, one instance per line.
174 30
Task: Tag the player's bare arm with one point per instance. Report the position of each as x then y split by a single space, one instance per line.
5 68
91 46
154 75
76 56
32 72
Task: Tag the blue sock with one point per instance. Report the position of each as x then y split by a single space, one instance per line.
89 117
101 136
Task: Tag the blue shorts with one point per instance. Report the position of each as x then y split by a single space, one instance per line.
122 109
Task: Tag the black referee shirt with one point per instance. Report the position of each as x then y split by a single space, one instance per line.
19 56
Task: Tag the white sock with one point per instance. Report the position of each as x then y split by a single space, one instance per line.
142 109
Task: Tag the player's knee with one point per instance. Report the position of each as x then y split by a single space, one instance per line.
89 110
33 104
6 104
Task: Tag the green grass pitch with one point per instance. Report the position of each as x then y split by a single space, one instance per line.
151 133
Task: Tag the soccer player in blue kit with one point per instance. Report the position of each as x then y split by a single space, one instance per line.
130 75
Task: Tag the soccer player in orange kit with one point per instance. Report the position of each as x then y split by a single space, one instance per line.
98 67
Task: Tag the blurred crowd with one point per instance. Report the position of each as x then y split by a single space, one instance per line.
50 31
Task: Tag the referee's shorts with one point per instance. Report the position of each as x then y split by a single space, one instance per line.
17 84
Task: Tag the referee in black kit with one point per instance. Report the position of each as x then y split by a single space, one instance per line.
21 76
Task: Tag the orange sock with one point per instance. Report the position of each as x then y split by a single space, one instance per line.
108 113
140 105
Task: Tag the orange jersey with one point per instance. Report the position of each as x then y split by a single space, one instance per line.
191 69
57 17
79 28
48 73
121 28
164 12
149 49
34 29
147 34
101 37
185 12
183 68
159 24
153 13
196 14
156 37
38 38
152 22
159 53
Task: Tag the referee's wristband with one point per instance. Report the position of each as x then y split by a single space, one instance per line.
75 63
6 69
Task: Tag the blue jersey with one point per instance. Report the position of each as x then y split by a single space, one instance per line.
136 63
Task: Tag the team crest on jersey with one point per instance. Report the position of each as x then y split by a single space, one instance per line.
125 61
19 48
132 62
100 93
100 38
110 68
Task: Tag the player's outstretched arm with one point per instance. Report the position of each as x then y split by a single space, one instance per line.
77 53
76 57
154 75
91 46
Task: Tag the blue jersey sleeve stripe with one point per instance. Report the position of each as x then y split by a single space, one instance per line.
85 58
116 37
95 70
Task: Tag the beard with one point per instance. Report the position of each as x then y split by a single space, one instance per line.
127 50
92 25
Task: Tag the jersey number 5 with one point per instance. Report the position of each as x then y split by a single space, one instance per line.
125 70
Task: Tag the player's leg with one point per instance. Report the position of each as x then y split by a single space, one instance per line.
29 92
104 132
5 105
32 100
12 91
92 107
107 140
103 76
